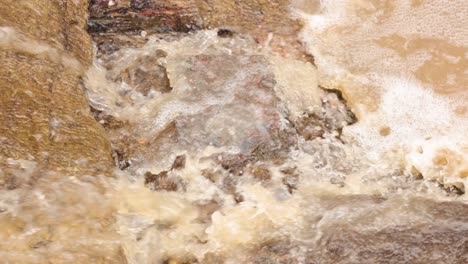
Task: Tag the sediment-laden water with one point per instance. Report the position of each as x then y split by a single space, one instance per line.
227 151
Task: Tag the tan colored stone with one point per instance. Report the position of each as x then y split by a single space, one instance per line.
44 114
47 134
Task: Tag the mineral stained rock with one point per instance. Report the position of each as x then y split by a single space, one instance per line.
45 49
47 135
268 21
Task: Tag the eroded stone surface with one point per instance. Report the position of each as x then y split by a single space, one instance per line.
52 211
44 112
268 21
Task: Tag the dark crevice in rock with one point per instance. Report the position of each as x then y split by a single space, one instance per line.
225 33
339 94
161 181
121 159
179 163
107 121
455 188
146 74
347 115
167 180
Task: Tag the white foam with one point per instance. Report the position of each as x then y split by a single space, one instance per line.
345 37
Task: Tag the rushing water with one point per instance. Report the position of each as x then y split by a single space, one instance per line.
402 64
245 159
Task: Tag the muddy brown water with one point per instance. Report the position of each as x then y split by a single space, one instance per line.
229 150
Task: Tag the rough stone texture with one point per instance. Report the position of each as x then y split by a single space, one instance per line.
44 114
439 237
419 244
146 74
354 239
137 15
246 102
45 215
58 23
267 20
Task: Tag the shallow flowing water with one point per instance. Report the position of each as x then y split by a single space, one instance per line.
239 155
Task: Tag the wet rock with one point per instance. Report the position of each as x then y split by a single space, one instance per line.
269 22
48 135
332 118
8 181
121 159
146 74
225 33
107 121
161 181
429 241
60 24
311 127
135 16
260 172
225 181
211 258
453 188
211 175
291 179
179 163
234 164
456 212
357 239
422 244
43 109
124 144
206 209
218 95
275 252
96 6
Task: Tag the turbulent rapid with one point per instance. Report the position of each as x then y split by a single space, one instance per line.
229 147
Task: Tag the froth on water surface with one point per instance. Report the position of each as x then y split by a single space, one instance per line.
230 153
402 67
233 165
